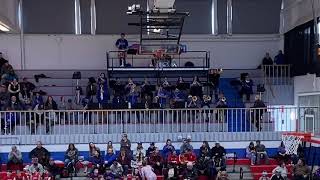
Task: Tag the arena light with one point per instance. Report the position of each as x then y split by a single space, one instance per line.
4 28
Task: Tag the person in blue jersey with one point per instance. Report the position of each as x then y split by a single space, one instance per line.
102 91
168 149
122 45
132 99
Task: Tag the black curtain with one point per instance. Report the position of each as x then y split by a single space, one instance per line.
299 49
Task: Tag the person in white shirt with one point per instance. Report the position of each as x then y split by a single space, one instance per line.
282 169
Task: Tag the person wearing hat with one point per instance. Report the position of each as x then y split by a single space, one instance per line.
151 149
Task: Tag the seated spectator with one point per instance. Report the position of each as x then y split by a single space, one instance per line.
218 152
246 87
261 153
279 59
173 159
264 176
186 145
41 153
151 149
116 169
277 175
95 174
132 98
203 165
125 160
178 98
14 104
139 152
125 144
146 172
110 157
25 97
118 102
108 174
37 102
301 171
222 175
190 172
92 149
97 160
281 171
53 169
71 156
14 159
258 109
251 153
156 161
205 149
14 88
167 149
50 104
29 86
35 167
187 156
282 155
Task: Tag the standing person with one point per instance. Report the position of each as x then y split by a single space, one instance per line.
2 60
102 91
50 116
41 153
125 144
214 79
279 59
122 45
258 109
15 159
91 90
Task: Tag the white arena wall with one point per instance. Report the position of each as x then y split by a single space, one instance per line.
88 52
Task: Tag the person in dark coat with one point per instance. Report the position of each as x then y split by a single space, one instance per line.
41 153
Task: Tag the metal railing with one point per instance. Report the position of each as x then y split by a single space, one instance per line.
158 121
277 74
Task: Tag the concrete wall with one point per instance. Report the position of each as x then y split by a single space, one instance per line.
88 52
306 84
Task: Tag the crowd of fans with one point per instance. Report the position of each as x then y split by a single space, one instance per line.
148 163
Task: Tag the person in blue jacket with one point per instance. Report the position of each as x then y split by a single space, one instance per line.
109 158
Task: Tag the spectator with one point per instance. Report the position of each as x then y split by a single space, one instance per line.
71 156
35 167
92 148
37 102
190 172
188 156
282 156
108 174
102 91
205 149
2 60
14 159
25 97
203 165
178 98
261 152
180 83
62 104
264 176
14 104
110 146
173 159
279 59
118 102
8 73
41 153
151 149
147 172
222 175
214 80
246 87
4 97
53 169
97 160
116 169
125 160
277 176
14 88
168 149
281 171
267 60
258 109
122 45
132 98
156 161
161 97
50 105
186 145
218 151
29 86
139 152
196 87
95 174
91 90
301 171
110 157
125 144
251 153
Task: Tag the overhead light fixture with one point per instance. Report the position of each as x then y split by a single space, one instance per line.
4 28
